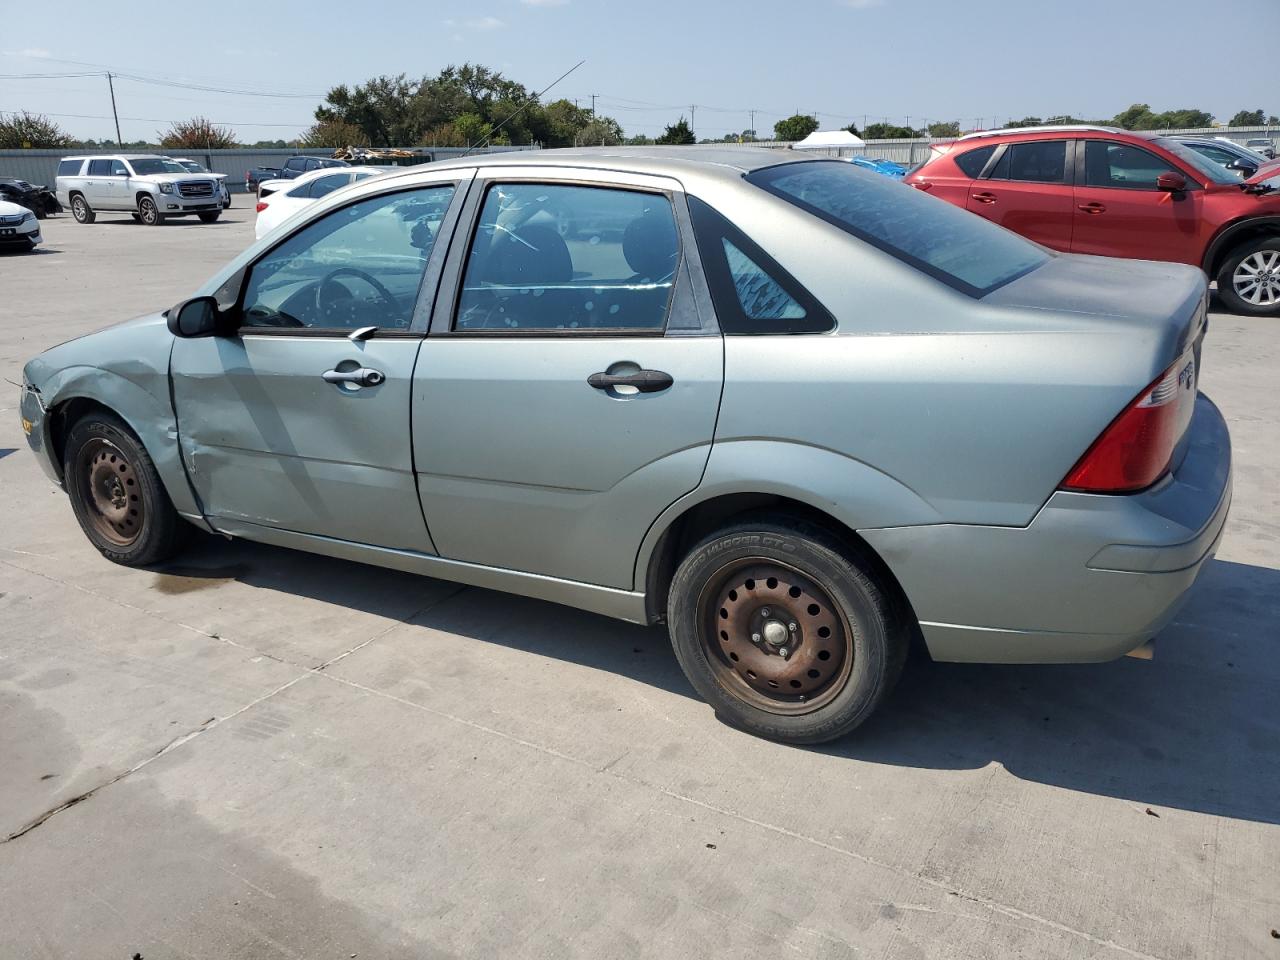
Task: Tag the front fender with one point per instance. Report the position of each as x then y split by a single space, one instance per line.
148 415
852 492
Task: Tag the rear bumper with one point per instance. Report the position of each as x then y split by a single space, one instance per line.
1090 578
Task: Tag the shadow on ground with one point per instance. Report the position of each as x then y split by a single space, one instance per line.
1195 729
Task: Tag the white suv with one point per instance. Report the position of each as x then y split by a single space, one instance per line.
149 187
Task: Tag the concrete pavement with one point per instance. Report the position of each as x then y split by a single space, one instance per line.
258 754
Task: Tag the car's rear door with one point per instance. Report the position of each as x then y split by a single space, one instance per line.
299 420
1028 190
568 391
1120 212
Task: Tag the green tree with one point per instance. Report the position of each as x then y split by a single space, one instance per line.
381 107
198 133
1140 117
853 128
334 133
678 133
31 131
795 127
601 132
944 128
888 131
1248 118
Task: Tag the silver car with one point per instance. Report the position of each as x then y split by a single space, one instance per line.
796 412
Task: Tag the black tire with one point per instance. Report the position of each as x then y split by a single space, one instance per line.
209 216
81 210
867 628
104 460
149 213
1249 279
136 218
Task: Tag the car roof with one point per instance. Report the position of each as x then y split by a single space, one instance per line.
657 160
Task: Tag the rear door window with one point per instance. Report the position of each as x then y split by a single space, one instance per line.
99 168
570 258
1037 161
323 186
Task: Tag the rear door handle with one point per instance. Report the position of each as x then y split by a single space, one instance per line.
1093 207
985 197
359 377
645 381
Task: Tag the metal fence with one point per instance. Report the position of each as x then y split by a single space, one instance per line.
41 166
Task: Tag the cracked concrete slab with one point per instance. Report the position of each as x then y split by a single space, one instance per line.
474 775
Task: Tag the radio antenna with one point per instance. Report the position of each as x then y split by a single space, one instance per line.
484 141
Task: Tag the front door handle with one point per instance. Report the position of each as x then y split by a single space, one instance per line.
1093 207
985 197
359 377
645 381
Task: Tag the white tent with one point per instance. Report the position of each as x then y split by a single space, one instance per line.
828 140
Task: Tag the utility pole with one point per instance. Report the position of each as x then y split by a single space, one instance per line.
752 128
112 87
593 105
693 112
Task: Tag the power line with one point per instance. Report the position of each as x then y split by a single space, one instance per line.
224 123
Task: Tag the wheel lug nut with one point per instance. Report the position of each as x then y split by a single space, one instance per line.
764 612
792 626
755 638
784 652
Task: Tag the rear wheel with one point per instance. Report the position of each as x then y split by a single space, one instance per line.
149 213
209 216
1249 280
786 631
81 210
117 495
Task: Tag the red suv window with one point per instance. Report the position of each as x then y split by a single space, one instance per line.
972 161
1121 165
1037 161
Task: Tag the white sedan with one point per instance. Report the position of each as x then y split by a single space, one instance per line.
19 228
278 200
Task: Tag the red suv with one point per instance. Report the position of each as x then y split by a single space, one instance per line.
1120 194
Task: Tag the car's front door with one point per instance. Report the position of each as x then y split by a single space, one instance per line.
569 389
300 419
1120 212
1029 191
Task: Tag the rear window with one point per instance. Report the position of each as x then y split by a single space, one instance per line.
966 252
972 161
69 168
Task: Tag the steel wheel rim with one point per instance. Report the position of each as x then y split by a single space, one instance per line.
110 492
148 211
1256 278
774 637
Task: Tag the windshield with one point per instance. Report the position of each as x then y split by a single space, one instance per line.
1214 171
191 166
149 166
952 245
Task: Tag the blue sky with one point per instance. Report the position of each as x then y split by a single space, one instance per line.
970 60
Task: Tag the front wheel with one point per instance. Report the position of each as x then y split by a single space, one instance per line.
117 495
1249 280
149 213
209 217
81 210
787 632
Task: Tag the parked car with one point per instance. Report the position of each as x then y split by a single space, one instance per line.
887 168
193 166
278 200
38 199
151 188
1262 145
1120 193
293 168
1242 161
796 412
19 227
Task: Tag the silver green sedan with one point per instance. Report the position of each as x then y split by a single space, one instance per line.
794 410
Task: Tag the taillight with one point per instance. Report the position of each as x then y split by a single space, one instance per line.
262 205
1135 450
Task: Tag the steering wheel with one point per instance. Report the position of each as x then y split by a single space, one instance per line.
331 278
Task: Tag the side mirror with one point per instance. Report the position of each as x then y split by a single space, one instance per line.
1243 167
1173 182
197 317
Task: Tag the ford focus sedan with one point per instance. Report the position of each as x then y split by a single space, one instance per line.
799 414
